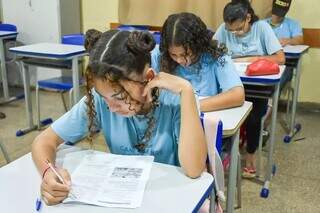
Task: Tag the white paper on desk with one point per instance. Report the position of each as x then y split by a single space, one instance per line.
110 180
241 66
295 48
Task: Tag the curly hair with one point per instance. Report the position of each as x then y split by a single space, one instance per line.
114 55
190 32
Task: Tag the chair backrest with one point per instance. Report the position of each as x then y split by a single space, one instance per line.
75 39
133 27
8 27
157 36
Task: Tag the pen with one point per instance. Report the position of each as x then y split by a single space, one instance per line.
57 174
38 204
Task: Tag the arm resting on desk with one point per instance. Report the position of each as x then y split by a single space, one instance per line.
231 98
291 41
277 57
45 147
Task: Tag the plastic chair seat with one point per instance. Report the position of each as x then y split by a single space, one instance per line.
59 83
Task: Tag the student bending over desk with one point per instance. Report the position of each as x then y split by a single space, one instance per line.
186 50
139 113
247 40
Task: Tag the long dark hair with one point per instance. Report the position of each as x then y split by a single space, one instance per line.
114 55
238 10
189 31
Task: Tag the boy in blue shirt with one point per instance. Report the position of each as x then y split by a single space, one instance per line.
287 30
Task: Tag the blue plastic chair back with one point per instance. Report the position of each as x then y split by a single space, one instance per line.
75 39
157 37
133 27
8 27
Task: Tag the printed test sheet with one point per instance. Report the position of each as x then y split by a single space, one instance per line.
110 180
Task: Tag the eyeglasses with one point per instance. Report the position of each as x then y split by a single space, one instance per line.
240 29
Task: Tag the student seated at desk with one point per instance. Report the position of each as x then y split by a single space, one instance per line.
186 50
138 112
288 31
247 40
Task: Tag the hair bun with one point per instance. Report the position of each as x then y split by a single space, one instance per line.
140 42
92 36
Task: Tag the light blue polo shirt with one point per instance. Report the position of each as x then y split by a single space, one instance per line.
122 133
207 76
260 40
288 28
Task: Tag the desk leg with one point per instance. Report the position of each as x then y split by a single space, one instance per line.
294 129
4 72
75 80
26 85
233 172
270 167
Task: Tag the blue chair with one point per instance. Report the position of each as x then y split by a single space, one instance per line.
8 27
133 27
157 36
61 84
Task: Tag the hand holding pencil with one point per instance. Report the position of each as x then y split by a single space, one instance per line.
56 184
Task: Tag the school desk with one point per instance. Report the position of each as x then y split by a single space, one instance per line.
5 35
294 53
272 81
232 119
52 51
168 189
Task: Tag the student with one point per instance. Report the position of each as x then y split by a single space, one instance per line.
186 50
288 31
138 112
247 40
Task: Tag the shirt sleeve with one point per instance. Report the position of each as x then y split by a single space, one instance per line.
268 38
155 59
73 125
227 75
295 28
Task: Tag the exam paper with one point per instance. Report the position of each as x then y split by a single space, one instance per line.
295 48
110 180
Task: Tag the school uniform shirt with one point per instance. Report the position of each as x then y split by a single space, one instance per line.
260 40
122 133
207 76
288 28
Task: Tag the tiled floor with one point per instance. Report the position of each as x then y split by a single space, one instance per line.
294 189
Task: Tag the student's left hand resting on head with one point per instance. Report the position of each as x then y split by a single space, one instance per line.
192 143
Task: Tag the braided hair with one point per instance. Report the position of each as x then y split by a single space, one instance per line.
114 55
190 32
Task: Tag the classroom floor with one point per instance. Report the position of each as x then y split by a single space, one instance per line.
294 189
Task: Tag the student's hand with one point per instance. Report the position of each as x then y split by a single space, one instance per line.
166 81
52 190
284 41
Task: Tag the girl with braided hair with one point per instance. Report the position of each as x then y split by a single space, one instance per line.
138 112
187 50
